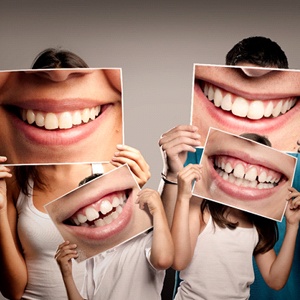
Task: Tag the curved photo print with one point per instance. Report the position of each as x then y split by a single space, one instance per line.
101 213
248 99
60 115
246 173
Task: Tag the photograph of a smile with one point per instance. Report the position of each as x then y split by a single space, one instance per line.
243 174
246 173
63 120
253 109
102 212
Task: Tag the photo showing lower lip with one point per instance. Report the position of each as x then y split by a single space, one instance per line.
59 137
107 231
227 119
239 192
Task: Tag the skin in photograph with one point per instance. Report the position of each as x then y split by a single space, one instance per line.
248 99
244 174
101 213
60 115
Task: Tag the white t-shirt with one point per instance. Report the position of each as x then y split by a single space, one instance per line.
124 272
221 267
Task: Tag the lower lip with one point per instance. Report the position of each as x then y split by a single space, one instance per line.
59 137
102 233
239 192
238 124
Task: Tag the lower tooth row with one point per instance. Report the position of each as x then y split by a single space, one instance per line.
63 120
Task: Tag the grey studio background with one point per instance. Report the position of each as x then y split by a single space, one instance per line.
155 44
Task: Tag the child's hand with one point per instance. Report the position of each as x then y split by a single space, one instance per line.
64 253
4 173
135 161
175 144
185 179
292 212
150 198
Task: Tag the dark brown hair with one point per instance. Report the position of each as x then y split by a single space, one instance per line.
267 229
257 50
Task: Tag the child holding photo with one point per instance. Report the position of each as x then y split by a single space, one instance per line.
214 245
133 270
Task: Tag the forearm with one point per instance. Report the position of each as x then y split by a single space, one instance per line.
71 288
281 267
180 231
162 249
168 196
13 267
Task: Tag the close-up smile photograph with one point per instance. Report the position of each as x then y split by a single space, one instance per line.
248 99
60 115
101 213
245 172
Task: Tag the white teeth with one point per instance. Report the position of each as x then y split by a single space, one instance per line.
115 202
239 171
256 110
241 107
239 175
51 121
91 214
251 174
105 207
64 120
81 218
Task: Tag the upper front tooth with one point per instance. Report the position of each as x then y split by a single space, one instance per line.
256 110
76 118
239 171
251 174
85 115
269 109
240 107
105 207
81 218
91 214
51 121
277 109
65 120
228 168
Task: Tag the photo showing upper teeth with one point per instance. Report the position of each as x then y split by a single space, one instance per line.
247 175
100 213
63 120
253 109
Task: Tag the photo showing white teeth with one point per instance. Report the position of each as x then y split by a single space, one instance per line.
251 109
250 176
108 212
64 120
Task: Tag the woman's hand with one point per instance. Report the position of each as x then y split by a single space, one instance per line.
292 212
151 199
4 173
135 161
175 144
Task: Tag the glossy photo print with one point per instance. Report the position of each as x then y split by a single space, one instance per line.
245 172
240 99
60 115
101 213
